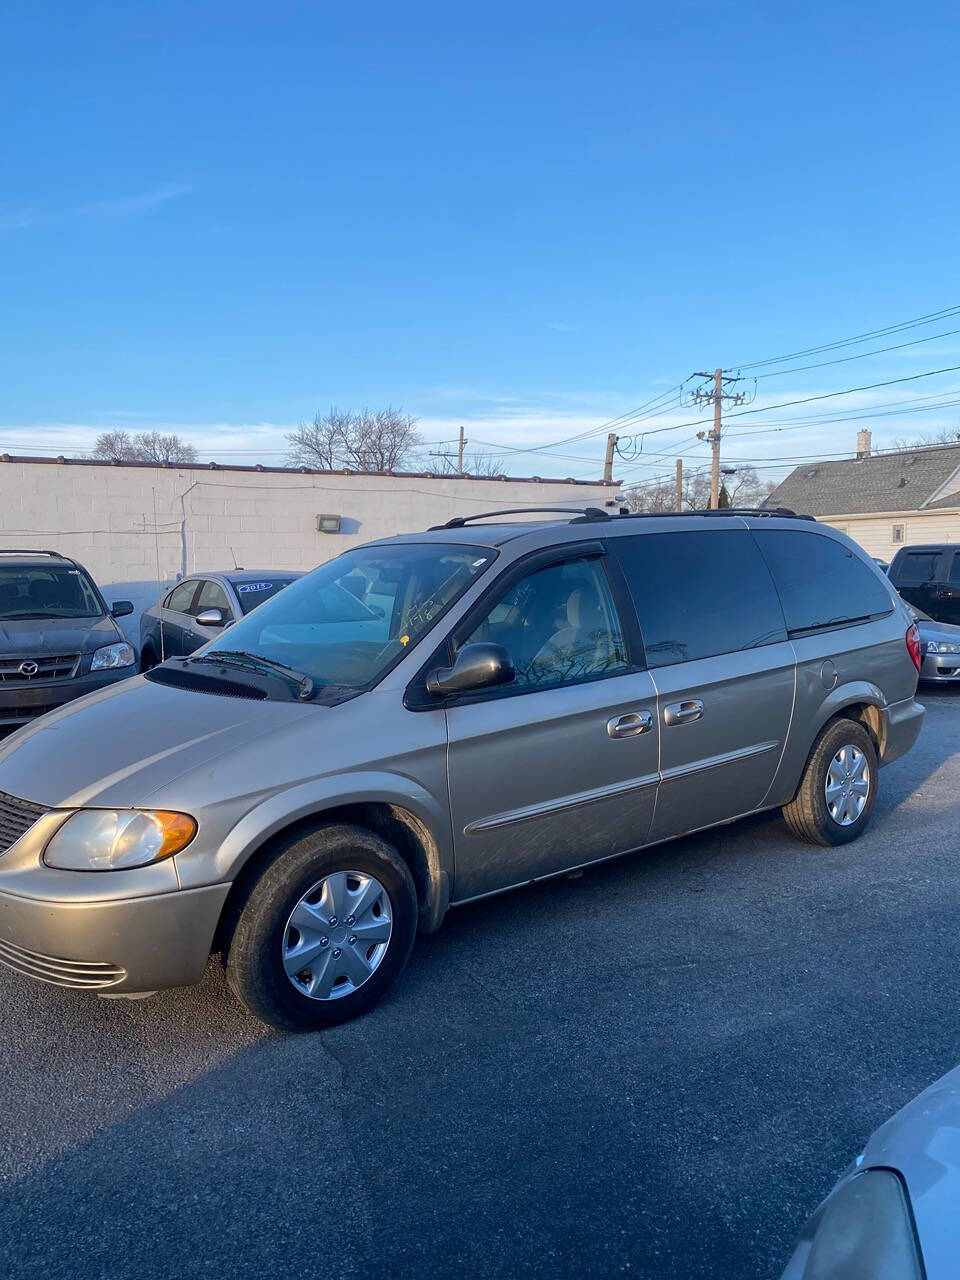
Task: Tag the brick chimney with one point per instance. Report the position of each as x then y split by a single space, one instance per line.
863 444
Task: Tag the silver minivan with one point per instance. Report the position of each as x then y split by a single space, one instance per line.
520 699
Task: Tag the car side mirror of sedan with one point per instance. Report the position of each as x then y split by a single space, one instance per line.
120 608
211 618
476 666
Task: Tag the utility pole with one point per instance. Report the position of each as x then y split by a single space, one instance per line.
716 397
679 498
463 441
608 459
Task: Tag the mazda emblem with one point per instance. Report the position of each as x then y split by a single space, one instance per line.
29 668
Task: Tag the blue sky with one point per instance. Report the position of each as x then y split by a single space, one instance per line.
221 218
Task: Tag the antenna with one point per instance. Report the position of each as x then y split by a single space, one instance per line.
160 583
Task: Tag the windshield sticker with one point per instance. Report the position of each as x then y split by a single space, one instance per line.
253 586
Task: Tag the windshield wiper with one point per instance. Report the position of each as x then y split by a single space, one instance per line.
253 661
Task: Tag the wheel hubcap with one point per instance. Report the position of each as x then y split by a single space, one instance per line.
847 785
337 935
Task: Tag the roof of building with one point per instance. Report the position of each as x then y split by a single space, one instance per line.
293 471
903 481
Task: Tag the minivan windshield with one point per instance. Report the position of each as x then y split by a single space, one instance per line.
47 591
345 624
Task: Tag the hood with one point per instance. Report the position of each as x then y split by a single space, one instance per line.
33 637
922 1141
945 631
116 746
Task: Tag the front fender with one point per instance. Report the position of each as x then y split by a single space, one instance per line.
309 799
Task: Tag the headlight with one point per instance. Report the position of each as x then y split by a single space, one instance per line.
941 646
861 1232
111 656
114 839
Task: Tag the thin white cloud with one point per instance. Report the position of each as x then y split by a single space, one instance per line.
25 217
558 326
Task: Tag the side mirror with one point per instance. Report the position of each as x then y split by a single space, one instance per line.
476 666
120 608
210 618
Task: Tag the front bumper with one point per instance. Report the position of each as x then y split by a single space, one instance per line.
21 703
940 666
122 945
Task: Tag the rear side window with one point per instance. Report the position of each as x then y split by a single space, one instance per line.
821 582
700 594
917 566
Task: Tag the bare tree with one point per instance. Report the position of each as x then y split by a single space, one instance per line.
661 494
114 446
372 440
746 489
153 446
947 435
476 463
145 446
320 443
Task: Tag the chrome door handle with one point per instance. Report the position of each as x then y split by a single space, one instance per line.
629 725
683 712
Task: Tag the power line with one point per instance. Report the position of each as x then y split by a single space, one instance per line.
847 342
861 355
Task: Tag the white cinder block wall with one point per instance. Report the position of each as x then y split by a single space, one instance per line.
139 528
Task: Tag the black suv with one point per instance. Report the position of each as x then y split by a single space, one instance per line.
929 577
58 639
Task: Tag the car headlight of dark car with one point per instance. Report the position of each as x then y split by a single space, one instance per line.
863 1231
112 656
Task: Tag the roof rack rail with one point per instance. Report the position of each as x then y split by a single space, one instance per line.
710 511
458 522
30 551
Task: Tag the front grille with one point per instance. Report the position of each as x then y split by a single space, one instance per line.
85 975
16 817
49 666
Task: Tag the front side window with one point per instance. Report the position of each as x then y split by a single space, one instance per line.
821 582
47 592
955 568
213 596
700 594
181 597
558 625
918 566
348 622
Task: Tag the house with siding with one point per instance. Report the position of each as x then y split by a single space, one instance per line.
882 500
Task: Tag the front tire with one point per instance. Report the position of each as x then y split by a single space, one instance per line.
325 931
839 786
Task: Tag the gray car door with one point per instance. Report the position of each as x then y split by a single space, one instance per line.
560 767
724 671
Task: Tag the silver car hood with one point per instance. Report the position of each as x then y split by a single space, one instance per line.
938 631
922 1142
117 746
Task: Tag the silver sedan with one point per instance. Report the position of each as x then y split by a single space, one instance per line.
939 648
894 1211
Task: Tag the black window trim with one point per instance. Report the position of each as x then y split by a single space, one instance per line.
416 697
820 627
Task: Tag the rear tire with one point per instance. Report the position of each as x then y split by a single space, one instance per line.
839 786
349 961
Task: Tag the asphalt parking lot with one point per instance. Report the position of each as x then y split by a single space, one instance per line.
654 1069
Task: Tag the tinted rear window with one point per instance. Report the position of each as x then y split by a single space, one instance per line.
256 590
821 582
700 594
917 566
